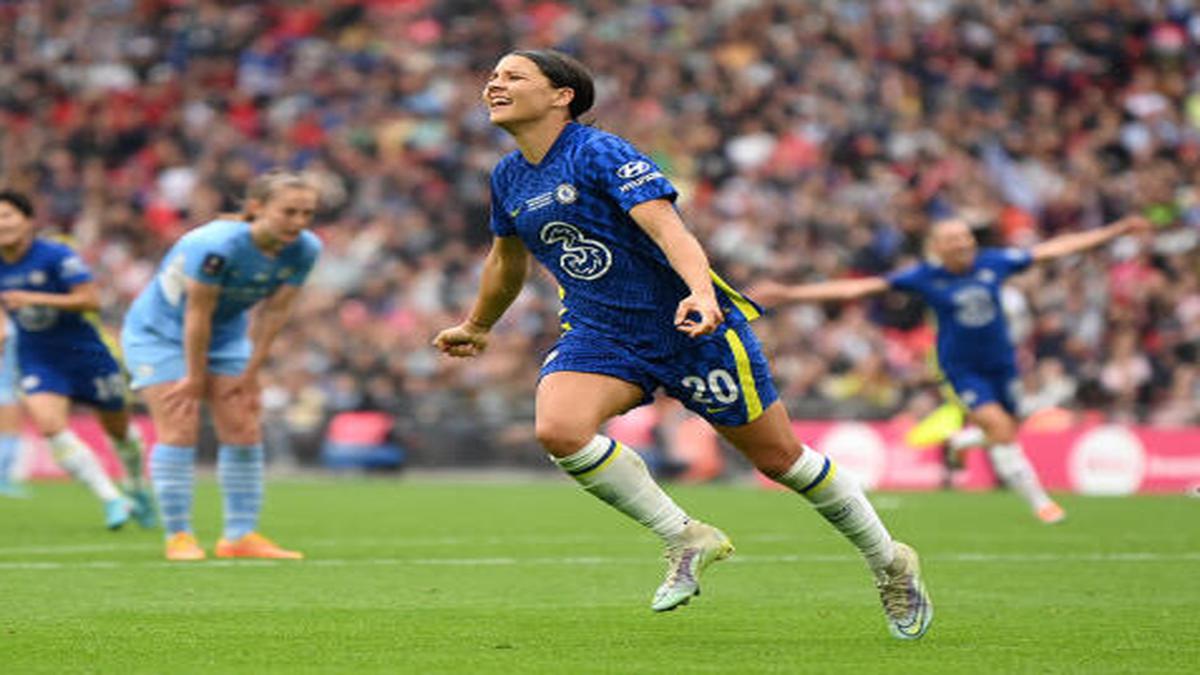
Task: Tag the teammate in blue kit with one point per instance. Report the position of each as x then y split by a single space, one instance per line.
188 338
641 311
62 357
977 357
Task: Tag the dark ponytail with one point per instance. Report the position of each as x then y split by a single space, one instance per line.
564 71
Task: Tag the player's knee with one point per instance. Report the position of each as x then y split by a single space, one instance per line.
1004 430
49 424
178 436
560 437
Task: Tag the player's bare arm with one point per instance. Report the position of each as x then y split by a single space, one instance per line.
774 294
659 219
84 297
1078 242
503 277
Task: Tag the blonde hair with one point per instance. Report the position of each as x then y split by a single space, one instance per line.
266 186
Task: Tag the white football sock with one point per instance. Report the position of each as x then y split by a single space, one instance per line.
1014 469
839 498
130 450
618 476
970 437
73 455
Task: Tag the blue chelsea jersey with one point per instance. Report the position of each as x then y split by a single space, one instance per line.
221 253
972 331
571 210
50 267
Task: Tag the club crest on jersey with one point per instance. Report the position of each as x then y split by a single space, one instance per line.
986 276
582 258
566 193
37 278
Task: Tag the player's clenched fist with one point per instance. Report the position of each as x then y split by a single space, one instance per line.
464 339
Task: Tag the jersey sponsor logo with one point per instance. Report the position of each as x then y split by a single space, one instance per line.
638 182
37 278
212 264
633 169
973 306
582 258
37 317
566 193
986 276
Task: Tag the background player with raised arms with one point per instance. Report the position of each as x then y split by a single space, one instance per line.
188 339
642 310
62 357
977 358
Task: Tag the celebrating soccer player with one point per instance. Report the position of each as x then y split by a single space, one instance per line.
62 356
642 310
977 358
188 339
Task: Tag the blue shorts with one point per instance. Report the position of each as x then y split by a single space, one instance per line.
9 373
976 388
723 378
91 376
154 360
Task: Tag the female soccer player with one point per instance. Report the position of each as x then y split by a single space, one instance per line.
187 339
62 356
642 310
977 358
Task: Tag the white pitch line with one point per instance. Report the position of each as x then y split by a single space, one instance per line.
964 557
379 542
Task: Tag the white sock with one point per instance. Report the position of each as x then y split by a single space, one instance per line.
130 450
841 501
1014 469
970 437
618 476
73 455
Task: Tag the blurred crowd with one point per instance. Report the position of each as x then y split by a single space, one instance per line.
809 139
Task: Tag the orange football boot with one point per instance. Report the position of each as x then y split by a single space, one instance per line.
1051 514
254 545
183 546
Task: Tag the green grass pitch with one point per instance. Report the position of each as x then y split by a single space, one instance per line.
430 577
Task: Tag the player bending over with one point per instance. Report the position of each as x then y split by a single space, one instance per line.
188 340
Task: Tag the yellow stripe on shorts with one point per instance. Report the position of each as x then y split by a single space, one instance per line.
747 308
745 375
